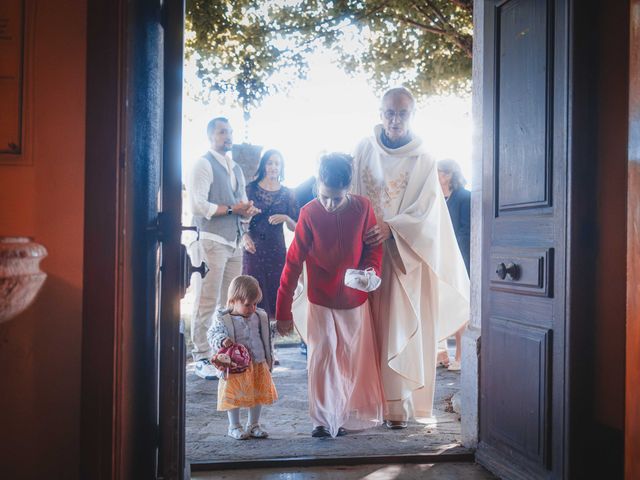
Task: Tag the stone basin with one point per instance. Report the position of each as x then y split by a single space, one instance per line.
20 275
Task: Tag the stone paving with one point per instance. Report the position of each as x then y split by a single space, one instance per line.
290 428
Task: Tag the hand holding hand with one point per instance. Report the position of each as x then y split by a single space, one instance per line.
377 234
252 211
245 209
227 342
247 243
278 218
285 327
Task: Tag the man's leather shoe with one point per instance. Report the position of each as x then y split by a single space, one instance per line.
395 424
320 432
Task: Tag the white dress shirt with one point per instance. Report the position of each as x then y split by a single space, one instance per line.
200 182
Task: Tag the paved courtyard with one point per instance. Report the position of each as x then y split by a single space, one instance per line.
289 426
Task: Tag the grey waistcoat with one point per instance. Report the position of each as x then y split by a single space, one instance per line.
221 193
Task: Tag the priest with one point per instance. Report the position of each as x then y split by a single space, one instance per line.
424 296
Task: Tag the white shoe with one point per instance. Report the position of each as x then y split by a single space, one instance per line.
238 433
454 366
256 431
205 370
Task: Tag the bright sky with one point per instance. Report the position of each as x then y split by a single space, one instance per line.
329 111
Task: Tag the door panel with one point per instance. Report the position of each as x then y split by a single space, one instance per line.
524 210
522 71
520 425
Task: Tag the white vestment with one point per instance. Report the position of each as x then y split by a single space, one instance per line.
424 296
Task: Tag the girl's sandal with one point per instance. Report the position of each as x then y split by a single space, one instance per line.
443 359
238 433
256 431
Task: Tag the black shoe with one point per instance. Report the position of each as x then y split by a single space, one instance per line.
341 432
320 432
395 424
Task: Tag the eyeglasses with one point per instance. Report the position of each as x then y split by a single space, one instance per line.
402 114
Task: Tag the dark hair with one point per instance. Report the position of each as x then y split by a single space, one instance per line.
336 170
211 126
447 166
262 166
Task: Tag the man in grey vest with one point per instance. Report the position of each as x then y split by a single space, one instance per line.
221 211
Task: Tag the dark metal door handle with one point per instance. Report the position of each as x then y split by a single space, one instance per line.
187 269
203 269
511 270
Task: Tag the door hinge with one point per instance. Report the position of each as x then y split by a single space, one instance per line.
158 227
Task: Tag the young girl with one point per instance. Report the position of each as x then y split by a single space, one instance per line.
345 389
245 324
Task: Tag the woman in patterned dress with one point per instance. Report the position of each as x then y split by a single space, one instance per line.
265 253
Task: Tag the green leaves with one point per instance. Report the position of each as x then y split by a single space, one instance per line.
249 49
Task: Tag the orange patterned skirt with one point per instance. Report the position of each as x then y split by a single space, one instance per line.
252 387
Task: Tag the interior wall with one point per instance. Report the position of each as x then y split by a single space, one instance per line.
40 349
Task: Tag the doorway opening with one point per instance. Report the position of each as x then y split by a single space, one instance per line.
329 110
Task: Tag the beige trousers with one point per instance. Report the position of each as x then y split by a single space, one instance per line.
225 263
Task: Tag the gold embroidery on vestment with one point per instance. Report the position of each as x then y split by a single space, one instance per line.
381 194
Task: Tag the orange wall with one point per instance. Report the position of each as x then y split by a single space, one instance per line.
40 350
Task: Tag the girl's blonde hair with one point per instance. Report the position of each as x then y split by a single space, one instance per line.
244 288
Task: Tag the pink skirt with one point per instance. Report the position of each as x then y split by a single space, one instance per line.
345 387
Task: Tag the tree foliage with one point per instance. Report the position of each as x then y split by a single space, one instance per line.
249 49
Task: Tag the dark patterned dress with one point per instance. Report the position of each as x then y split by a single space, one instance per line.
267 263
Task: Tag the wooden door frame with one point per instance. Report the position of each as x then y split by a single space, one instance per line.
632 409
117 443
119 428
102 269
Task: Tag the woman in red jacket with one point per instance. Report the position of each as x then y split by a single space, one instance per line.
345 389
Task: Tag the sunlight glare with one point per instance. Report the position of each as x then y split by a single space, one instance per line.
329 111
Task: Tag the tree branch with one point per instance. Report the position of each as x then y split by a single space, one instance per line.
438 13
420 9
464 42
421 26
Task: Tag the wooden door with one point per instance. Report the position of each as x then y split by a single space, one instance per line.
522 395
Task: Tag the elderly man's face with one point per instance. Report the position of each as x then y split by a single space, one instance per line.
396 114
221 137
